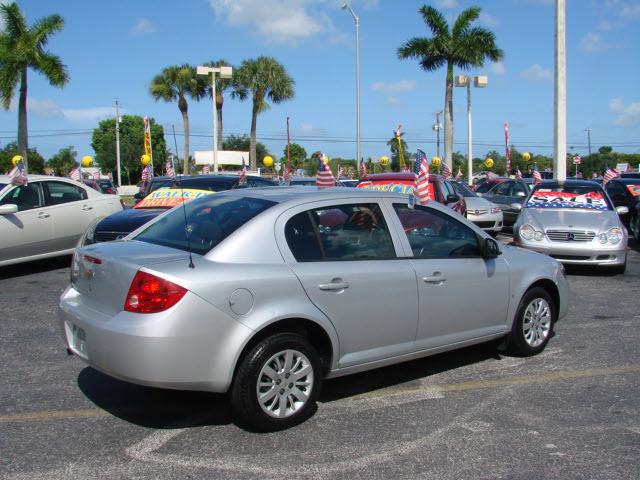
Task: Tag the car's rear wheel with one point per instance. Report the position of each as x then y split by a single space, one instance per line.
277 383
533 325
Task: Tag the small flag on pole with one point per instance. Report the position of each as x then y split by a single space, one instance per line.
340 171
421 172
609 174
169 169
363 169
74 174
537 177
243 173
518 174
324 176
459 175
146 173
18 174
96 175
446 171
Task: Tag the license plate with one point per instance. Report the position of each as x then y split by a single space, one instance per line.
79 339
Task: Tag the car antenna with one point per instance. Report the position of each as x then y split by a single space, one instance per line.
187 232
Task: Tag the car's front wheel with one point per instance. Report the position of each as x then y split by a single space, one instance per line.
533 325
277 383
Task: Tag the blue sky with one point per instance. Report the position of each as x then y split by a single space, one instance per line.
114 48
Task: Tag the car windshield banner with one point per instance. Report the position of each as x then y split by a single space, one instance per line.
547 199
634 190
395 186
170 197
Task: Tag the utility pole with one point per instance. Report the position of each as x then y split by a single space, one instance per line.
118 142
560 95
588 130
437 127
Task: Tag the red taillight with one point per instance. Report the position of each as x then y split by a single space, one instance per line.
151 294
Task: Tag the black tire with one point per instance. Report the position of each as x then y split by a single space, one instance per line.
244 391
524 341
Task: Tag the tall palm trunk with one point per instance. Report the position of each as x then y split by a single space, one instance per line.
448 118
184 110
219 102
252 141
23 142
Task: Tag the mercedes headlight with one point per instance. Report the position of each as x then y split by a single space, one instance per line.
612 236
527 231
496 210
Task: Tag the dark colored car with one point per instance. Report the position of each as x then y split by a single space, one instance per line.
486 184
440 190
510 195
156 182
626 192
631 175
121 224
106 186
93 184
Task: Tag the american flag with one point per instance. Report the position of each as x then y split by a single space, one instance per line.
446 171
518 174
397 132
205 170
340 171
169 169
96 175
19 174
609 174
537 177
363 169
324 176
421 172
146 173
459 174
243 173
75 174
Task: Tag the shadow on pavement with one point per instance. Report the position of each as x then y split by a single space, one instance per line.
38 266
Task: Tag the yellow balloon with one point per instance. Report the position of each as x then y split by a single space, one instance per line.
267 161
488 162
87 161
144 159
526 156
435 161
384 160
16 159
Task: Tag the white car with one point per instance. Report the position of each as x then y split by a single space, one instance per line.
46 217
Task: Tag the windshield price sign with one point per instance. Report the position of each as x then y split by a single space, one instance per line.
170 197
544 199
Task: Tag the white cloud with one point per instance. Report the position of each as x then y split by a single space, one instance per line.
310 130
143 27
392 101
488 20
42 108
447 3
275 20
593 42
624 8
626 115
498 68
88 114
399 86
535 73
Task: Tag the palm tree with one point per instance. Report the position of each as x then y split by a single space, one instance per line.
176 83
264 78
222 85
463 46
22 47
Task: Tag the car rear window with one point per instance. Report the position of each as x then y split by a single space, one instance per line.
208 222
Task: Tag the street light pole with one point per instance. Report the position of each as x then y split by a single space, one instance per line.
224 72
479 81
560 96
346 6
436 128
118 143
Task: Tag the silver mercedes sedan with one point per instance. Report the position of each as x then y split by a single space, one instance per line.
266 292
575 222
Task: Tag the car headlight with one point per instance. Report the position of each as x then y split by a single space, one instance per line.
612 236
88 237
527 232
496 210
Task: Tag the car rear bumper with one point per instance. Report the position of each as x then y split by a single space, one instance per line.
192 346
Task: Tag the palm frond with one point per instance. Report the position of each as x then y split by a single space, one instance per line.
429 51
9 78
472 49
44 28
434 20
463 22
51 66
15 25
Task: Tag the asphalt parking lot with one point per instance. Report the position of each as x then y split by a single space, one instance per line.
571 412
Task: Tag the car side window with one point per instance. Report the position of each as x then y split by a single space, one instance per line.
615 191
26 197
434 234
61 192
503 188
340 233
518 190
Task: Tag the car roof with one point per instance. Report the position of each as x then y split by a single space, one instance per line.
569 183
626 180
397 176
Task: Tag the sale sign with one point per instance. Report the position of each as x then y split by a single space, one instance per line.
634 190
547 199
398 186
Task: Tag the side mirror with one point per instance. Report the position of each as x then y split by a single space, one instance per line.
452 198
516 206
490 249
623 210
9 208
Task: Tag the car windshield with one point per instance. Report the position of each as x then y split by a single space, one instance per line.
2 185
484 187
209 220
462 189
585 197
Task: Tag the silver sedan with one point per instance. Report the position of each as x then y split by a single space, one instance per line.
266 292
575 222
46 217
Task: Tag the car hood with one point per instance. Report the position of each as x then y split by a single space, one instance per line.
562 219
128 220
478 203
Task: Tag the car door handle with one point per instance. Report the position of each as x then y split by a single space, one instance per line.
435 278
43 215
334 285
87 207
